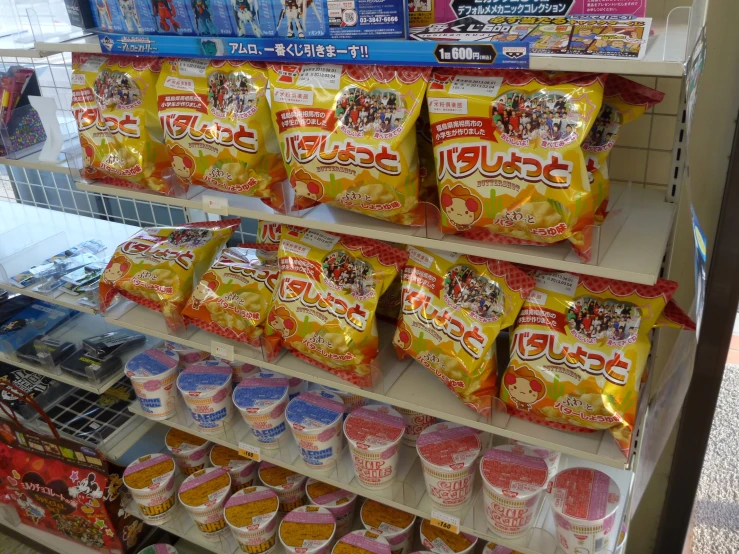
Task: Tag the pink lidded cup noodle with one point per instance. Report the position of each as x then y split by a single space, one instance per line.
339 502
448 452
251 514
361 542
206 389
551 457
393 524
374 433
492 548
315 419
150 480
415 424
203 494
243 472
584 502
307 530
153 374
186 354
190 453
442 541
287 484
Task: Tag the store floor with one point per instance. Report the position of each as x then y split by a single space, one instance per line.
8 545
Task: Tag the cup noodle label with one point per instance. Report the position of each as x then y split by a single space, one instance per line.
393 524
286 483
339 502
252 508
445 542
358 542
307 527
448 446
514 473
415 424
151 363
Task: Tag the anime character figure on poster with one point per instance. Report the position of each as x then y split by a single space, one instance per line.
295 14
165 13
203 18
131 16
247 13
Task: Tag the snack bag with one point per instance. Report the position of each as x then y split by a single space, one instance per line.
347 135
326 298
428 189
579 349
159 266
268 233
452 310
114 104
217 126
508 156
623 102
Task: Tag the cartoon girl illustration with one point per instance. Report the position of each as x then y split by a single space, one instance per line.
183 164
88 154
306 185
524 387
202 292
461 207
403 336
281 321
116 270
31 509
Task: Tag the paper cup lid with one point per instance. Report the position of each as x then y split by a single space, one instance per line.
151 363
448 445
280 477
443 541
584 493
492 548
199 380
210 363
314 410
386 519
222 456
327 495
252 508
259 393
307 527
206 487
514 469
182 443
149 472
375 426
159 548
362 542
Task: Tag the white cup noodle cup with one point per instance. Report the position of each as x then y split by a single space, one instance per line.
150 480
262 400
251 514
339 502
415 424
621 541
361 542
187 354
551 457
393 524
374 433
206 388
514 480
153 374
289 485
308 530
584 502
448 452
243 472
315 421
190 453
203 494
297 386
442 541
243 371
351 401
159 548
493 548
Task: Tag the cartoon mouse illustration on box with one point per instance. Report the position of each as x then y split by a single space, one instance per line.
524 387
86 490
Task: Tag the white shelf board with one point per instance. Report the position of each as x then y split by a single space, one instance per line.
89 44
32 161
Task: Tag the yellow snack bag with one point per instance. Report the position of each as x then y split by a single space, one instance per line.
348 139
326 298
114 104
579 349
453 308
508 157
268 233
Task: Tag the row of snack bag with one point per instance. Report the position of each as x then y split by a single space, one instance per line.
506 156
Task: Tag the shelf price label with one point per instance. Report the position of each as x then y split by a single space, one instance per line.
215 204
444 521
250 452
221 350
476 54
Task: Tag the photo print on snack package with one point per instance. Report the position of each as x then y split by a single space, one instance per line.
114 88
547 116
231 94
465 288
593 320
378 113
343 272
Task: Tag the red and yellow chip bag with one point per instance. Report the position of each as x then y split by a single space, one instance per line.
159 266
326 298
114 104
579 348
268 233
453 308
348 138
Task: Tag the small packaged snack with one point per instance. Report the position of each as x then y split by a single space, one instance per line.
324 306
347 135
579 349
157 267
453 307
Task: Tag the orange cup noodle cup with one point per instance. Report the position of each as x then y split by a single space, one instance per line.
361 542
114 105
190 453
339 502
514 480
551 457
206 389
187 354
289 485
442 541
584 502
315 418
203 494
415 423
153 374
348 138
243 472
493 548
374 433
268 232
308 530
252 515
262 400
159 548
217 125
351 401
150 480
393 524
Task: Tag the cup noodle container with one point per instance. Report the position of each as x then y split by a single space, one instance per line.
289 486
339 502
150 480
153 374
251 514
415 424
315 419
262 401
190 453
374 434
442 541
584 502
492 548
307 530
187 354
551 457
203 494
241 371
361 542
159 548
351 401
393 524
514 480
621 541
206 388
243 472
448 452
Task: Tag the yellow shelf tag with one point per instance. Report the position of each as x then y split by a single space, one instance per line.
444 521
250 452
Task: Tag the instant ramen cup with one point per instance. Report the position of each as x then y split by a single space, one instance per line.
262 400
297 385
551 457
206 388
514 479
621 541
251 514
584 502
374 433
393 524
153 374
289 486
492 548
307 530
315 419
187 354
339 502
150 480
190 453
159 548
442 541
351 401
448 452
361 542
242 371
203 494
415 424
243 472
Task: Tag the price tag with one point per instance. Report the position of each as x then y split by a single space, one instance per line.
444 521
221 350
251 452
215 204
